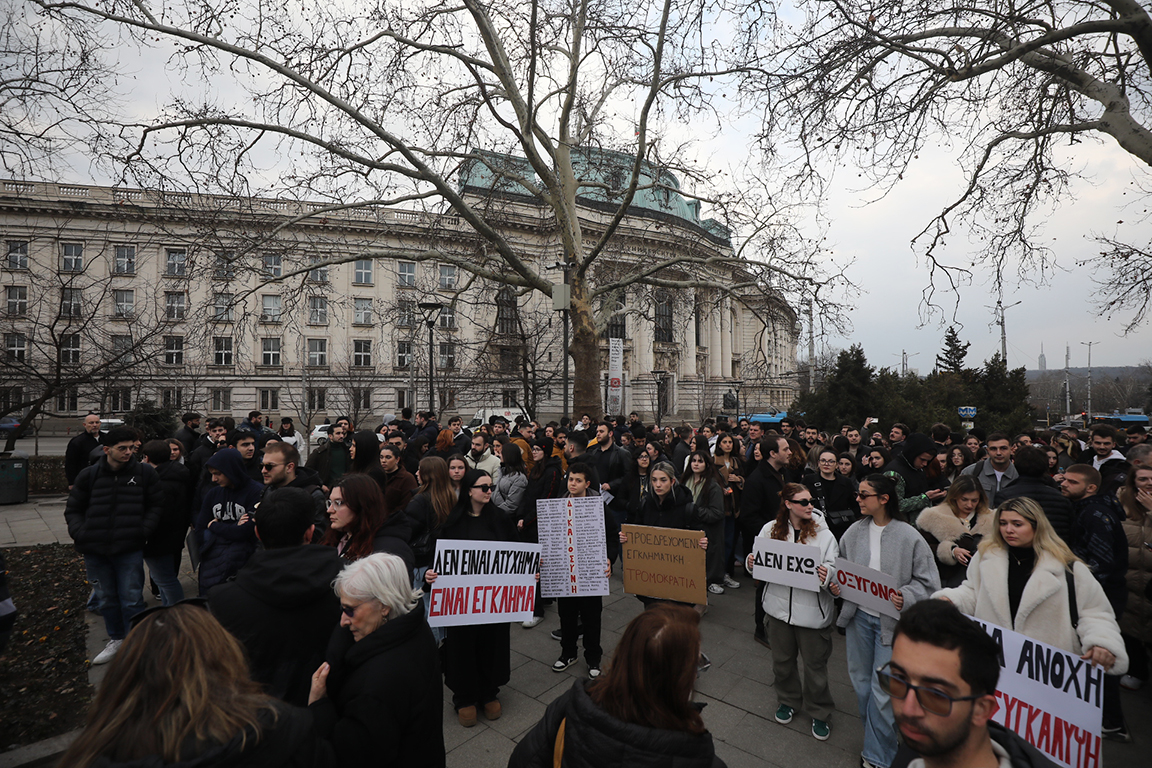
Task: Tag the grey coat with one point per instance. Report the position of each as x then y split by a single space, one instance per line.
904 555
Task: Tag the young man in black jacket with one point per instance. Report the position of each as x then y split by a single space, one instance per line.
281 605
113 508
759 504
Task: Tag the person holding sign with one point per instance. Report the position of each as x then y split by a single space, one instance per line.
477 660
881 541
799 620
582 614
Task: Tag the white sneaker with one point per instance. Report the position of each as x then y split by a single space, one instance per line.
1131 683
716 589
108 653
731 583
532 622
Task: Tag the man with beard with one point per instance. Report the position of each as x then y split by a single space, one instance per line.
942 680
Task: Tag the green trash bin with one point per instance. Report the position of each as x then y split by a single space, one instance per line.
13 477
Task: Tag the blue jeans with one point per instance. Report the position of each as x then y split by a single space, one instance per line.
866 654
439 633
119 582
162 568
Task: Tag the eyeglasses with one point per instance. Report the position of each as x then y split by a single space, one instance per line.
931 700
270 467
827 461
800 502
335 502
485 488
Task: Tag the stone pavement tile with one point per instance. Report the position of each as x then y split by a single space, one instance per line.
717 652
18 514
555 692
487 749
753 697
716 682
454 733
519 714
756 667
781 746
6 536
737 758
536 677
516 659
719 718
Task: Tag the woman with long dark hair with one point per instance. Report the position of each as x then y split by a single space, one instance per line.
457 468
959 459
360 525
477 659
179 691
638 487
545 481
800 620
881 541
435 499
640 709
702 480
727 457
364 451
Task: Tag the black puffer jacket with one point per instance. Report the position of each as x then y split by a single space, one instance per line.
595 739
110 513
1056 505
675 511
168 538
286 741
385 702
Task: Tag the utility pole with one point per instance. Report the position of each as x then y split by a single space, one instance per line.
811 349
1003 333
1089 345
904 361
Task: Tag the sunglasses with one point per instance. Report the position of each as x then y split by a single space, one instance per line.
866 495
349 610
801 502
270 467
931 700
483 488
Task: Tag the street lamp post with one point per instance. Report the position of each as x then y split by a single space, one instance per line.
431 311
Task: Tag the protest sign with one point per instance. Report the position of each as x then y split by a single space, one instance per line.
786 562
665 563
573 550
1051 698
867 588
482 582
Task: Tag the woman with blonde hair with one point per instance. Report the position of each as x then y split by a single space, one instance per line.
1020 578
955 527
178 691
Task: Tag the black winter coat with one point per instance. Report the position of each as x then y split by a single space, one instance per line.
281 607
761 498
425 529
385 702
836 498
393 537
676 511
286 741
111 513
1056 505
595 739
77 453
168 538
550 485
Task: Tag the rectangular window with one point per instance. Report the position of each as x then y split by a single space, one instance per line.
406 274
173 350
273 265
447 399
318 274
406 313
120 400
124 302
318 310
317 397
17 254
663 329
222 350
447 355
506 311
16 345
17 296
70 349
361 353
269 399
124 262
121 344
447 317
401 399
70 302
363 272
447 275
270 351
176 262
317 352
11 398
175 305
222 307
508 399
221 400
225 268
617 328
73 257
68 400
270 308
362 311
509 359
362 398
403 354
173 398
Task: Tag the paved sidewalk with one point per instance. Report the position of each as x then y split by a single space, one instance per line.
737 689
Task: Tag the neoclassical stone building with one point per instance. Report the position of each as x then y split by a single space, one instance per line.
218 304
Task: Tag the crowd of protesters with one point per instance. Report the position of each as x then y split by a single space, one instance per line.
311 621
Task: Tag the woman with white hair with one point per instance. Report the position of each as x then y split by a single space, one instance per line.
378 698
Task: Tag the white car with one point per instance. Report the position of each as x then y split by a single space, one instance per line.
319 434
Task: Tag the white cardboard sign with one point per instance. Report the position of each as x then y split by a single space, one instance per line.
573 550
482 582
866 587
786 563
